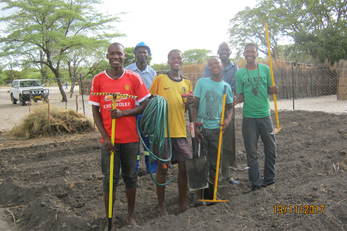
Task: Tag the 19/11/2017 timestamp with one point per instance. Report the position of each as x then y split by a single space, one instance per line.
298 209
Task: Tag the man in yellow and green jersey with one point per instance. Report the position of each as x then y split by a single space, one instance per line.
172 86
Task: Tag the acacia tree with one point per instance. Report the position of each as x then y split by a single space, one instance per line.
317 27
53 27
85 62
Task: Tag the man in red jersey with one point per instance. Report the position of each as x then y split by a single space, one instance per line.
118 80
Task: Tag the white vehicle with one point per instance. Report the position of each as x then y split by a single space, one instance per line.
24 90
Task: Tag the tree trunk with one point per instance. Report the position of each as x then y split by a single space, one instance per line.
73 81
61 89
72 78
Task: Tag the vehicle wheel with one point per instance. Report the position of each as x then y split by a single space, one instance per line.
22 102
13 100
45 99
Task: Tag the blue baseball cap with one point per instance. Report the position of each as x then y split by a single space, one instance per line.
143 44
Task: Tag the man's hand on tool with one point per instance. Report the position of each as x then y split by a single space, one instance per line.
108 144
115 113
238 99
226 123
189 98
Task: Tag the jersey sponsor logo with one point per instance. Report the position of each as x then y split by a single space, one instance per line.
118 105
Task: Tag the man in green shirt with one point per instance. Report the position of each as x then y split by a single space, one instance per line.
253 86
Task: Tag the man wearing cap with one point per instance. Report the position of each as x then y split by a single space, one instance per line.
147 74
229 152
141 67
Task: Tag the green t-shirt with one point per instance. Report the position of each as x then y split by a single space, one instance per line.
210 94
253 84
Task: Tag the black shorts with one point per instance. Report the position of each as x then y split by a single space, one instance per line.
124 160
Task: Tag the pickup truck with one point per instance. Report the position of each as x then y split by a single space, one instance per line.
24 90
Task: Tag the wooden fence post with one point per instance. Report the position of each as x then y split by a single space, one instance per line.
48 114
82 91
76 103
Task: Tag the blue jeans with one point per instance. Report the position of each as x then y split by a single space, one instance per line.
252 128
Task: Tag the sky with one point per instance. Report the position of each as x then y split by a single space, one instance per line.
178 24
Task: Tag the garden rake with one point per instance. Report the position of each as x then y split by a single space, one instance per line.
274 96
220 142
115 97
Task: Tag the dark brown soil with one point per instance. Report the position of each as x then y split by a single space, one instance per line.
55 184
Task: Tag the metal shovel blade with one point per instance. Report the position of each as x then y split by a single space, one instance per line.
197 170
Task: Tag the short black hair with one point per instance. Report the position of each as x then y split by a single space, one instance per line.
251 45
223 44
213 57
116 44
173 51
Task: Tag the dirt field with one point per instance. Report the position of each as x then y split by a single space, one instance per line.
55 184
14 114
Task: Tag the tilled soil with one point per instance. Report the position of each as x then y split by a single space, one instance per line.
55 184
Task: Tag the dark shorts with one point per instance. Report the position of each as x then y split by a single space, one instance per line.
124 161
181 150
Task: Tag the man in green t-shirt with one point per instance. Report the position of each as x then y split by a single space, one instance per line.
253 86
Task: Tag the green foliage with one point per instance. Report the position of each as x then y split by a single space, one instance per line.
317 27
53 28
291 52
195 56
85 61
162 67
6 76
129 56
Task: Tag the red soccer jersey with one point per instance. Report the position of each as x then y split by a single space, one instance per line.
129 83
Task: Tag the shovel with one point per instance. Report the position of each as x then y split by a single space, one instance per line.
197 168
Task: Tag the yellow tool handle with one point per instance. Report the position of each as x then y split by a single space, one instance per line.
273 83
113 136
220 142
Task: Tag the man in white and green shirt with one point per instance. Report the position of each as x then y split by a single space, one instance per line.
253 86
